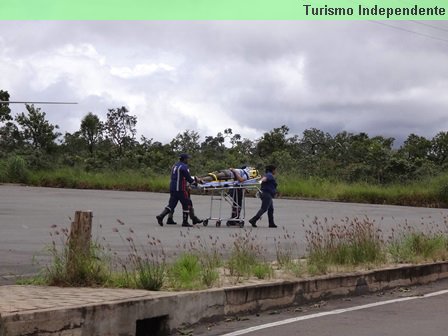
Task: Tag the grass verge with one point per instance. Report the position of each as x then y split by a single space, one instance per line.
430 192
331 247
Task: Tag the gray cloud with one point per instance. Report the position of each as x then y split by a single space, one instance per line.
250 76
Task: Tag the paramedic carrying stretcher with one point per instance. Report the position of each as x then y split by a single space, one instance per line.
179 192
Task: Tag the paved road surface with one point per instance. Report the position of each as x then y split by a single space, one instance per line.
411 311
27 213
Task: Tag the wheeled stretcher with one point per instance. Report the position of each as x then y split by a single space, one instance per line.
228 198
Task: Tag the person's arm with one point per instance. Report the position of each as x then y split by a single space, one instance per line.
237 175
187 175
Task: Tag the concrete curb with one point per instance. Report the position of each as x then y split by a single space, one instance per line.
157 314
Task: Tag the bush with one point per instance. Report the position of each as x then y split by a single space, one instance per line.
16 170
262 270
186 272
442 191
3 177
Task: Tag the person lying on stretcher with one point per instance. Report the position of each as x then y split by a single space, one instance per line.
236 174
233 174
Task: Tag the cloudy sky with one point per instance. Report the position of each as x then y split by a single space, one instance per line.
357 76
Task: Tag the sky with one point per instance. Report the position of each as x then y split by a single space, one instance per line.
386 78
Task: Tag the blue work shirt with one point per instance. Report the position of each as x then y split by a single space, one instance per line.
270 185
180 175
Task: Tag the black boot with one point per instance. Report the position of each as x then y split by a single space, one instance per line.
253 221
185 220
271 220
160 217
193 217
170 219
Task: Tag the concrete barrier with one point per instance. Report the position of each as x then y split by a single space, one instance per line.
148 313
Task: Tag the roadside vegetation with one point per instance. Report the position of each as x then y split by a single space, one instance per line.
106 154
331 247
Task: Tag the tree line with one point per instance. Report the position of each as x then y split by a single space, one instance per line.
111 144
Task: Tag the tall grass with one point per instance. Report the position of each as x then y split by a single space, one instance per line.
16 169
414 245
81 268
418 247
351 242
79 179
432 192
185 272
246 257
3 177
331 246
145 265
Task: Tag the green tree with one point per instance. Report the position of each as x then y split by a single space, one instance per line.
36 130
439 148
213 154
157 157
91 131
120 128
415 148
10 138
378 156
315 142
272 141
5 111
74 143
186 142
242 150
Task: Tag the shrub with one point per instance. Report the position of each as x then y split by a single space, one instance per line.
16 169
185 272
209 276
262 270
3 177
442 191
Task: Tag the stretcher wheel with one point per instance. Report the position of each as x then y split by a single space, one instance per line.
241 224
205 222
218 223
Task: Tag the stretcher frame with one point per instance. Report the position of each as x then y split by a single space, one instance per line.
220 192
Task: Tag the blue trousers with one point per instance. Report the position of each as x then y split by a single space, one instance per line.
266 205
179 196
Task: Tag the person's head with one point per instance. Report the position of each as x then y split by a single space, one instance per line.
270 169
184 157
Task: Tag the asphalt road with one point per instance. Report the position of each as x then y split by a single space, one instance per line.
413 311
27 214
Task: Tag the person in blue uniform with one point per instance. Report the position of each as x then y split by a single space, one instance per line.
179 192
195 219
268 192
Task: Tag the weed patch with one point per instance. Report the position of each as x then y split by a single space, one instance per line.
353 242
90 268
416 247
